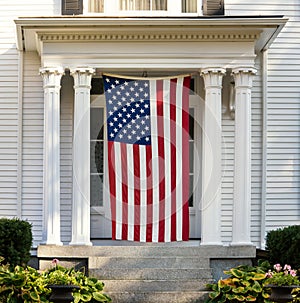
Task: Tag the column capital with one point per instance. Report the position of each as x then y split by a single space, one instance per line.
213 70
51 76
243 76
82 76
244 70
213 76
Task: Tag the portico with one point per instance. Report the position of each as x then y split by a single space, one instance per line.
208 47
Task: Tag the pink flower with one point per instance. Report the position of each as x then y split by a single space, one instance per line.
269 274
287 267
55 261
277 267
293 272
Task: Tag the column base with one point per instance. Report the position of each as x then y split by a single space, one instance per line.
211 244
241 244
52 243
74 243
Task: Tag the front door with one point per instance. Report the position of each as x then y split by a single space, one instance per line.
100 210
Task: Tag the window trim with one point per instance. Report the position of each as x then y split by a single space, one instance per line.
174 9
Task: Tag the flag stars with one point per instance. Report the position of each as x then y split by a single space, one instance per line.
128 110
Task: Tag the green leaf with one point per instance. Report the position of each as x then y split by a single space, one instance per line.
256 287
226 288
250 298
258 276
214 294
34 296
237 273
100 297
240 298
77 297
86 297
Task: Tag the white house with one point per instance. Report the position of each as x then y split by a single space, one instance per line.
245 99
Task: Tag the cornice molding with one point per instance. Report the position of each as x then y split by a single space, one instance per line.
167 36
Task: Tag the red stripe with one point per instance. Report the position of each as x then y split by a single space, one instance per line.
173 157
161 156
149 193
185 158
112 185
137 192
124 192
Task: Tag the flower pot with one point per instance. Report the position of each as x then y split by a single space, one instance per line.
62 293
281 294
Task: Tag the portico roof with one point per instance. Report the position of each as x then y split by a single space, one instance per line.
262 29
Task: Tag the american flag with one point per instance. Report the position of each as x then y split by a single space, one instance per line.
148 157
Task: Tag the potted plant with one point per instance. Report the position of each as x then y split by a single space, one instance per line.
62 282
281 281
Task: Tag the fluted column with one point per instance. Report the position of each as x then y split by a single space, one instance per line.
212 154
81 157
242 160
51 79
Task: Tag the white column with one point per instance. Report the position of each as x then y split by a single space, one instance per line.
212 153
51 78
242 160
81 157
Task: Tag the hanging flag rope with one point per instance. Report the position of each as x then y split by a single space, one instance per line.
148 157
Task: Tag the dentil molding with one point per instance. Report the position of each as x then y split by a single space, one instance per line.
167 36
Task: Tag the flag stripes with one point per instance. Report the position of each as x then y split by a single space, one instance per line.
149 179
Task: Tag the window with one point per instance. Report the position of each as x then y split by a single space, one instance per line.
144 7
147 5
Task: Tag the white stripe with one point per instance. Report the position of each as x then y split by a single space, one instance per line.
130 170
118 177
143 186
155 161
167 172
179 181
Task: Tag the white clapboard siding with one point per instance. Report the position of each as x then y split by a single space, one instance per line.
283 120
66 131
8 119
33 127
21 156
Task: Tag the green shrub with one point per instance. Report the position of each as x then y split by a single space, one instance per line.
27 285
15 241
283 246
244 284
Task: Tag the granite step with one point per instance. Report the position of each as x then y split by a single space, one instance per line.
150 273
144 262
157 285
159 297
